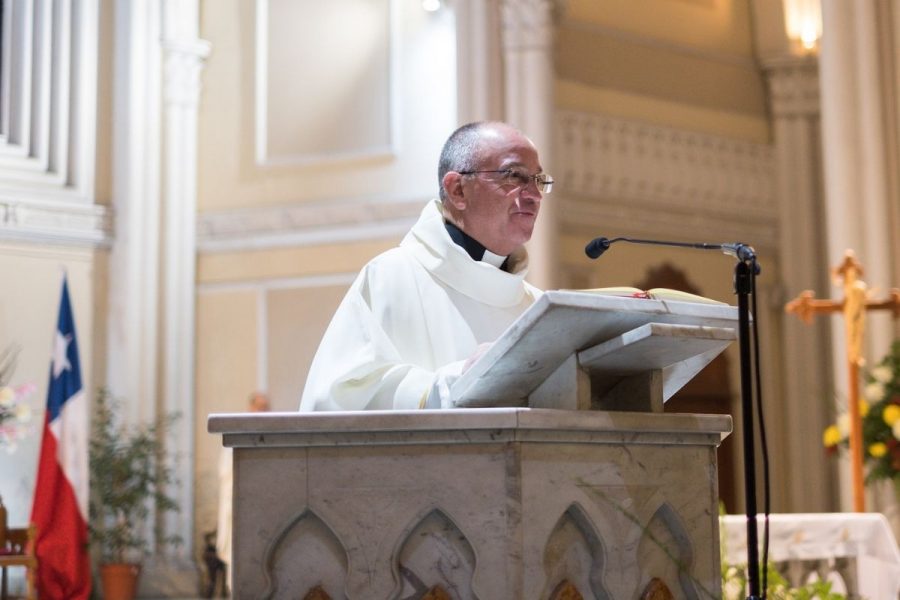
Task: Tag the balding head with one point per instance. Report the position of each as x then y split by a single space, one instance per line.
464 149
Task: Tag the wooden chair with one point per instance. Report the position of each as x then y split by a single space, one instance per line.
17 550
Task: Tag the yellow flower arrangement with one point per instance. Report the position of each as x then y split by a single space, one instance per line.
880 412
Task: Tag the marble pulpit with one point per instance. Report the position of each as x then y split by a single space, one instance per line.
525 494
483 503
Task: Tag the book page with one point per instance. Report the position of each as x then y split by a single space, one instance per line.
654 294
670 294
623 291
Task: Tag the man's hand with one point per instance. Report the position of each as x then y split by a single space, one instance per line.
480 350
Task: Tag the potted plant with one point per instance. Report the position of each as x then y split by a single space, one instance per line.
129 476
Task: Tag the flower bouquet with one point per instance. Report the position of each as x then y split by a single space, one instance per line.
15 413
880 412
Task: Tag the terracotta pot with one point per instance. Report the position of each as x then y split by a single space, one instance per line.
119 580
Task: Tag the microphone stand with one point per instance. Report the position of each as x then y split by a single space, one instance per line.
744 272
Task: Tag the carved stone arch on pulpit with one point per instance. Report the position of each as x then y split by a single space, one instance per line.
575 554
305 535
666 553
433 557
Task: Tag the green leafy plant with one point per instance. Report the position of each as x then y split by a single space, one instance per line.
734 586
129 474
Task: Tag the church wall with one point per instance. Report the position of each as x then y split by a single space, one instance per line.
574 95
287 362
614 62
231 171
706 25
226 373
275 263
629 59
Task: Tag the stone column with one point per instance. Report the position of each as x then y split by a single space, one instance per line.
134 259
806 388
133 278
855 81
151 278
479 72
183 55
859 116
527 31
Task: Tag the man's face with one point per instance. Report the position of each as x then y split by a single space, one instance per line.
498 212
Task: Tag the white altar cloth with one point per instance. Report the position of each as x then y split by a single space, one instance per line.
865 537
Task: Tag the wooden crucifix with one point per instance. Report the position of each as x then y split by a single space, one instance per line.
853 306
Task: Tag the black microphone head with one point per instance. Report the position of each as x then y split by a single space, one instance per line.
596 247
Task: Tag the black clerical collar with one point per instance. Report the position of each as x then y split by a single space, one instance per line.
474 248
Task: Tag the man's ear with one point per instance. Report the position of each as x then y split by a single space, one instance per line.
454 189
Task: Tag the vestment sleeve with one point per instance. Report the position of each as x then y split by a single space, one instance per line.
358 366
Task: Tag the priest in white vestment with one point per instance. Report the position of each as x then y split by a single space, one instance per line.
418 315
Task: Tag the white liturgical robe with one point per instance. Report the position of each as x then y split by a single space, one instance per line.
411 318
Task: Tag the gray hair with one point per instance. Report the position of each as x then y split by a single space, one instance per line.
460 152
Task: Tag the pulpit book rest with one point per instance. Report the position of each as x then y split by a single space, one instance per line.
580 350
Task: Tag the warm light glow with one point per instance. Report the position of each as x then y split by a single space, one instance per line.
431 5
803 22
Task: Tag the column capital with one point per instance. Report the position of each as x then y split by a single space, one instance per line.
793 86
183 63
527 24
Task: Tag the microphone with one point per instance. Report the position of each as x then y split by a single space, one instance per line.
596 247
742 252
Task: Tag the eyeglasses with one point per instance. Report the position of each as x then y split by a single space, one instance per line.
519 178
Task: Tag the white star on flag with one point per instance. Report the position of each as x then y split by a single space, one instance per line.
60 354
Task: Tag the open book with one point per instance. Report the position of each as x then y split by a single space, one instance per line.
652 294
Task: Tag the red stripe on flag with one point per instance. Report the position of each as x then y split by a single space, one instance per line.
64 568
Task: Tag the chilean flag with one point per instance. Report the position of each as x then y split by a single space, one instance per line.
61 491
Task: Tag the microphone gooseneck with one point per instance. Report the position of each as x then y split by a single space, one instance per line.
742 252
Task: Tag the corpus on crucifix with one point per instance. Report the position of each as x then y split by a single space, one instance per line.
853 306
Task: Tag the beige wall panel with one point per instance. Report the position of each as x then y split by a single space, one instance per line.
226 375
571 95
288 262
296 321
606 62
712 25
29 307
228 176
313 106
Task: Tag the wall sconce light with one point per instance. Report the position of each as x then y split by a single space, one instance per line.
431 5
803 23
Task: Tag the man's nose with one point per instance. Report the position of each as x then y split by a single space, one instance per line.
531 191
